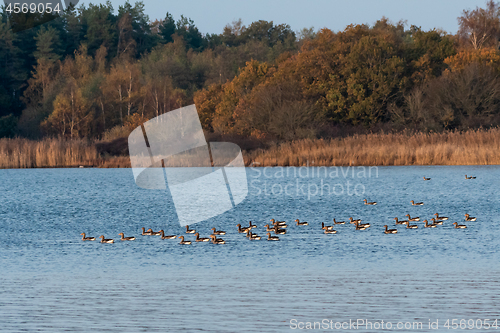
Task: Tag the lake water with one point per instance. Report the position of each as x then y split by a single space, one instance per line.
51 281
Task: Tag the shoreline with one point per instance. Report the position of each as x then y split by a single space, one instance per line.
472 147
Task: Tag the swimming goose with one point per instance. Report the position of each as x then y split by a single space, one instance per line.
87 238
358 227
216 240
443 218
301 223
436 222
400 222
416 203
162 234
330 231
123 238
469 177
104 240
250 225
252 236
413 226
183 242
153 233
146 233
339 222
469 218
459 226
370 203
269 229
280 223
390 231
353 221
426 178
427 225
220 232
242 230
412 219
279 231
326 227
190 231
272 238
201 239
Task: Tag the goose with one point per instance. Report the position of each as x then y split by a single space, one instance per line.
153 233
413 226
272 238
220 232
279 231
269 229
301 223
427 225
469 177
216 240
242 230
469 218
146 233
183 242
443 218
326 227
330 231
400 222
104 240
250 225
436 222
370 203
364 225
416 203
412 219
459 226
123 238
201 239
190 231
339 222
162 234
280 223
87 238
353 221
390 231
426 178
252 236
358 227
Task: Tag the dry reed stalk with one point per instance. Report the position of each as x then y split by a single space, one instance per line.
473 147
48 153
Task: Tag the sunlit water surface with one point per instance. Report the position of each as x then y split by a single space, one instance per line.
51 281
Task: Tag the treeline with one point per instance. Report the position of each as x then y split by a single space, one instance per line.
91 73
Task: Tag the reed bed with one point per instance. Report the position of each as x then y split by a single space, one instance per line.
472 147
48 153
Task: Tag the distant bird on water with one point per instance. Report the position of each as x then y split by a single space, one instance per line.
87 238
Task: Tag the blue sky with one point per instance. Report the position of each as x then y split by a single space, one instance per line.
212 16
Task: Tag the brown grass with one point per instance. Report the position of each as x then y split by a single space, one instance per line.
473 147
48 153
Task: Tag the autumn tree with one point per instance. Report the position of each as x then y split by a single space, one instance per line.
480 27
